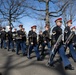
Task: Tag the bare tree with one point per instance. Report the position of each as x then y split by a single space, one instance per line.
70 12
42 9
12 10
40 26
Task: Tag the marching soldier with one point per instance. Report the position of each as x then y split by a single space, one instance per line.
29 37
10 40
3 38
57 31
14 37
46 40
20 41
14 34
74 38
40 39
67 32
33 43
24 39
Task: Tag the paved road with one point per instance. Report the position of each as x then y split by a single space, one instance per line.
12 64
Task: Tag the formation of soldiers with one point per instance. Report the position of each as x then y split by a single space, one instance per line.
18 39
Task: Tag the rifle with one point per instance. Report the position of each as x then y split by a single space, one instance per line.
69 39
54 49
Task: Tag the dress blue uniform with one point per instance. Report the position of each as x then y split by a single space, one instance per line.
67 32
10 40
61 50
33 44
40 39
3 38
24 40
46 40
20 41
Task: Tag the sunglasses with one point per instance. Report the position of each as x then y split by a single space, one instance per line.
60 21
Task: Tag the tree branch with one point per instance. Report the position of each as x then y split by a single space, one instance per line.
63 7
31 7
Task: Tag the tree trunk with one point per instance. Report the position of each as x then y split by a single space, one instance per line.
10 16
10 20
47 21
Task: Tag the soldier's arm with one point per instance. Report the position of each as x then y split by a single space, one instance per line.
65 34
29 34
53 36
44 36
24 36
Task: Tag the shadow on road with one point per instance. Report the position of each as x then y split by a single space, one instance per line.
22 64
7 65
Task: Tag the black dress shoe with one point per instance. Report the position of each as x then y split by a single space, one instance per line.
8 49
13 50
69 67
24 54
5 48
51 65
29 57
74 60
17 53
1 47
39 59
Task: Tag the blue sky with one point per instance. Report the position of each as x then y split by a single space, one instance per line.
28 21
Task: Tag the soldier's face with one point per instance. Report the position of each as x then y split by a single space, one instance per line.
46 28
15 30
40 33
69 24
2 29
20 28
34 30
59 23
10 29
